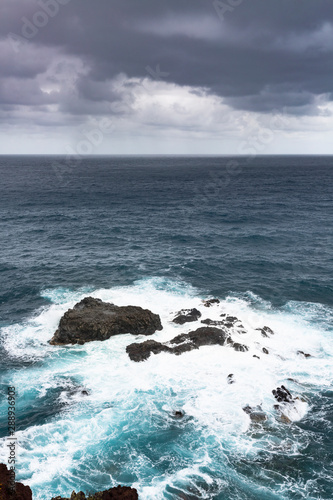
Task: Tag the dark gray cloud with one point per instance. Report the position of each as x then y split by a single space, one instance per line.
257 55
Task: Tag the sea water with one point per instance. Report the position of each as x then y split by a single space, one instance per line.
165 233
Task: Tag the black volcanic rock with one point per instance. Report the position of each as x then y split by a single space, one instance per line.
187 316
239 347
7 492
92 319
265 331
212 322
202 336
117 493
178 345
142 351
210 302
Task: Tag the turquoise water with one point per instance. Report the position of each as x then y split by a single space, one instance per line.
165 233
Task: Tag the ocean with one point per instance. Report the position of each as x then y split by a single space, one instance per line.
166 233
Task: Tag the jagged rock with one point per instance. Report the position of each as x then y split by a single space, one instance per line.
301 353
265 331
212 322
178 414
202 336
182 343
141 351
210 302
282 395
230 378
187 316
239 347
117 493
92 319
256 414
7 489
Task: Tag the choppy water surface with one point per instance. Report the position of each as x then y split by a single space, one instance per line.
165 233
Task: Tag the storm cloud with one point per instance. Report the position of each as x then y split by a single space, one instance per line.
198 69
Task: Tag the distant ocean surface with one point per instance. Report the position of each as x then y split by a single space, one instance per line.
165 233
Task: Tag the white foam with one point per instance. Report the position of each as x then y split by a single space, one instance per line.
125 396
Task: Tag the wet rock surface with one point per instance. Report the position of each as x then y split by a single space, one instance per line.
182 343
210 302
11 490
92 319
255 413
265 331
187 316
117 493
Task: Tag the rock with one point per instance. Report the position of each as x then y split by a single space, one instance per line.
265 331
255 356
265 351
11 490
210 302
212 322
301 353
85 393
256 414
230 378
92 319
187 316
282 395
117 493
178 414
182 343
202 336
239 347
141 351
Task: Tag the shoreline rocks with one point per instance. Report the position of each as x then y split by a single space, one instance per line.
92 319
7 492
116 493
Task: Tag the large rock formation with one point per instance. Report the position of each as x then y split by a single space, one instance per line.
92 319
117 493
182 343
7 491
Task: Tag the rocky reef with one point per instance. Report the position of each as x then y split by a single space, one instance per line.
92 319
183 343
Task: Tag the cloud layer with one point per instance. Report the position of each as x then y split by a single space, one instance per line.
209 71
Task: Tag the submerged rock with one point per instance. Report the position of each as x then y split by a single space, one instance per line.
9 489
92 319
187 316
256 414
117 493
178 414
302 353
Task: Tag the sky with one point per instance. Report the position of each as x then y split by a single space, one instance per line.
246 77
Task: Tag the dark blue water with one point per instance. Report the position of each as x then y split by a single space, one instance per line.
264 227
259 231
